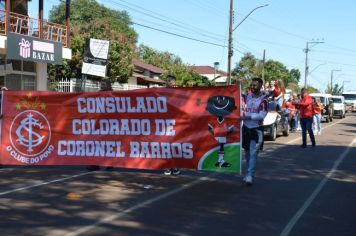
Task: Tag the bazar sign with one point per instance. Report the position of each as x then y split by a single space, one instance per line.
159 128
21 47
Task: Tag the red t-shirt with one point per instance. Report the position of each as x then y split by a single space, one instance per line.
277 91
306 107
317 108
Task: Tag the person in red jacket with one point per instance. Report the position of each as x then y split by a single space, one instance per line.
306 112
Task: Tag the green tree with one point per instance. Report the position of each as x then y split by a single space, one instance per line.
249 66
295 75
90 19
275 70
246 68
336 90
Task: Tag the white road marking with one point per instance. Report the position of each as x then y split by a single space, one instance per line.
5 169
113 217
43 183
315 193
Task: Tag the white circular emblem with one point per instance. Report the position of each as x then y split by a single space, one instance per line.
30 133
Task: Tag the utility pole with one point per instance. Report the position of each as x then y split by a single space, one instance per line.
331 79
68 22
40 14
307 49
230 51
263 66
306 66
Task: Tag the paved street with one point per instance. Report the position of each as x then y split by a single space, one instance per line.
298 191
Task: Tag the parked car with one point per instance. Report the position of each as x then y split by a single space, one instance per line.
325 99
339 107
276 121
350 100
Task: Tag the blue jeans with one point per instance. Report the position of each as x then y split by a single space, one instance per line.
252 153
296 121
317 122
306 124
279 101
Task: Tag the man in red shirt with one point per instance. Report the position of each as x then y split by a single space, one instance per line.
305 106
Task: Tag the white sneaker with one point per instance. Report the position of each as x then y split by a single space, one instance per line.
248 180
319 133
167 172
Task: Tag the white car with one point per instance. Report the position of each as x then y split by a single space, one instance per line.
339 108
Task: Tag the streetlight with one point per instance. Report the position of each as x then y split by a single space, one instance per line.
316 68
230 52
313 43
331 79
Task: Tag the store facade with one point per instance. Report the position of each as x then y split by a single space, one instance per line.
27 45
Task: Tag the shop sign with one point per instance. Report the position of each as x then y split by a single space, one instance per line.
95 57
21 47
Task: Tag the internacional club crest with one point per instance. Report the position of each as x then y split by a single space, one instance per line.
30 133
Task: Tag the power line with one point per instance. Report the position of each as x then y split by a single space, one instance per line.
207 6
333 62
196 31
272 43
275 28
341 48
178 35
164 26
161 17
334 52
186 37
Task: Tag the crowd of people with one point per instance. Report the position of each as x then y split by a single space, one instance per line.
276 92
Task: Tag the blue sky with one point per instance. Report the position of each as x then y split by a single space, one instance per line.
282 29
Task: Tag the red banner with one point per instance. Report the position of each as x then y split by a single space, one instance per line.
154 128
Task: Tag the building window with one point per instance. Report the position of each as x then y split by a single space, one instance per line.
2 80
29 66
13 81
18 74
28 82
20 82
16 64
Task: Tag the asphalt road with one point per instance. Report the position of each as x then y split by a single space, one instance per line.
297 191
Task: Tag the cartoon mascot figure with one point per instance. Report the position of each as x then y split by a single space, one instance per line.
220 107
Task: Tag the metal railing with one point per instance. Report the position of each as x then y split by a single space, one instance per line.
74 85
29 26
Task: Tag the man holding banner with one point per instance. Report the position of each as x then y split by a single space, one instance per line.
254 114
